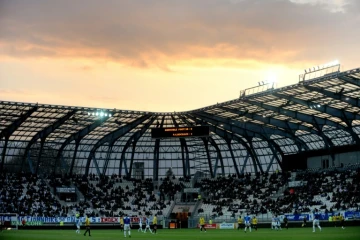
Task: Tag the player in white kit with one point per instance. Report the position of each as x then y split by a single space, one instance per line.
78 223
147 224
140 225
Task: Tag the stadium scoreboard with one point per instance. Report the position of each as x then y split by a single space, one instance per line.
180 132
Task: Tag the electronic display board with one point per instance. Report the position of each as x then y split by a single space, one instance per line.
180 132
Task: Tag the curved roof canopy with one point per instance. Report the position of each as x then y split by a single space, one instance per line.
250 134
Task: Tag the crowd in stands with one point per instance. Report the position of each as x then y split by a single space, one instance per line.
231 194
169 188
114 195
325 191
330 191
26 194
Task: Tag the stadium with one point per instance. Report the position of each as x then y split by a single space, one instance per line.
158 120
291 151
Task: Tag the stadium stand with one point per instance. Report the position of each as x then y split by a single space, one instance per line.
289 150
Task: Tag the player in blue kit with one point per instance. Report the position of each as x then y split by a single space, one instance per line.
247 221
316 222
127 222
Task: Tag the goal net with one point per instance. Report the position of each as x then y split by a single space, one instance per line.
9 221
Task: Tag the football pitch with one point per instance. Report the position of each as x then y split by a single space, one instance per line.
188 234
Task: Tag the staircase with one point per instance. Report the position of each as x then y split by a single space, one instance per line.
279 192
171 209
197 205
79 195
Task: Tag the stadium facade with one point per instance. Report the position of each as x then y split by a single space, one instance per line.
314 123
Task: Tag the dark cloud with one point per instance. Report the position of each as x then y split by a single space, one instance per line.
161 32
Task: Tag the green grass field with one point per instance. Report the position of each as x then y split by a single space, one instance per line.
188 234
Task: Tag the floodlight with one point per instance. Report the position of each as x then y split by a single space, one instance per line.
97 114
105 114
101 114
88 114
319 105
109 115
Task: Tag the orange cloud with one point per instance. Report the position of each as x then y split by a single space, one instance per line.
158 34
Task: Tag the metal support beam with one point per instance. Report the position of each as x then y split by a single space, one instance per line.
294 114
183 148
271 121
249 127
256 161
6 132
111 137
31 165
77 137
43 134
96 166
342 114
228 141
63 164
271 162
212 141
126 168
354 135
331 111
156 160
187 158
297 115
157 154
350 80
77 143
328 143
3 153
17 123
206 144
275 148
245 162
341 97
132 160
216 164
315 120
39 155
107 158
226 135
134 139
185 166
287 126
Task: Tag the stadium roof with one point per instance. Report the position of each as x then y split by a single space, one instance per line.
250 134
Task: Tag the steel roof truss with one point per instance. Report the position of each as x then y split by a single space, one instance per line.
111 137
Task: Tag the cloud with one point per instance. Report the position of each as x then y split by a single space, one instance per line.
161 34
15 92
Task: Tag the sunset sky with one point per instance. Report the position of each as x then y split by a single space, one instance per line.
166 55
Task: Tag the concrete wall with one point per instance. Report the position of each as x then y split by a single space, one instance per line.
344 158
